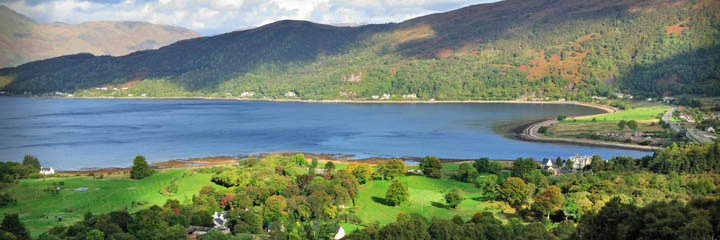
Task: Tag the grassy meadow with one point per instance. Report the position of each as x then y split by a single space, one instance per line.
648 113
571 126
38 208
426 199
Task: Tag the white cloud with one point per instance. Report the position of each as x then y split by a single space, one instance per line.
218 16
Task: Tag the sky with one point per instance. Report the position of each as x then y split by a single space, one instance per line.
220 16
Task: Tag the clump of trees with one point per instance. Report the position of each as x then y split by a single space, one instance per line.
632 124
659 220
467 173
484 165
12 171
363 172
523 167
431 167
391 168
140 168
32 162
480 226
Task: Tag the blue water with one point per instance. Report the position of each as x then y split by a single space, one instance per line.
83 133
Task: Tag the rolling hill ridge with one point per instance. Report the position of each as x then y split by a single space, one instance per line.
506 50
23 40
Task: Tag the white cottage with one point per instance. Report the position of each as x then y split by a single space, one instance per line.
219 219
47 171
547 163
340 233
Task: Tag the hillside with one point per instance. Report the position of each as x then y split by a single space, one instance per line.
23 40
512 49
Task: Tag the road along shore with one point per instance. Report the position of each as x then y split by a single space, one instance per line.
531 134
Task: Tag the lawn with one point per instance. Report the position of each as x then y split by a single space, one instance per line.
426 198
38 208
637 114
585 126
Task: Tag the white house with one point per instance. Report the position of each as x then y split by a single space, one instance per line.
375 97
385 96
47 171
710 130
579 162
547 163
340 233
219 219
247 94
290 94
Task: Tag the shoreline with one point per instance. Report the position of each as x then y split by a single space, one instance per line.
219 161
607 109
530 133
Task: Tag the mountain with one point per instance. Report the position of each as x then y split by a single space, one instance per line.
513 49
23 40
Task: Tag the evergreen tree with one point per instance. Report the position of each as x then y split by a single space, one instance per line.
12 224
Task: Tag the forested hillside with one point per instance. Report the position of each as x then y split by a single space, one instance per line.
511 49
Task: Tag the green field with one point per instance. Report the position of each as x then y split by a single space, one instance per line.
600 126
637 114
426 198
38 208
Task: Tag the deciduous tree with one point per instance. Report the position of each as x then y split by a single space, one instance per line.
549 200
454 197
392 168
513 191
397 193
363 173
140 168
329 167
522 167
431 167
